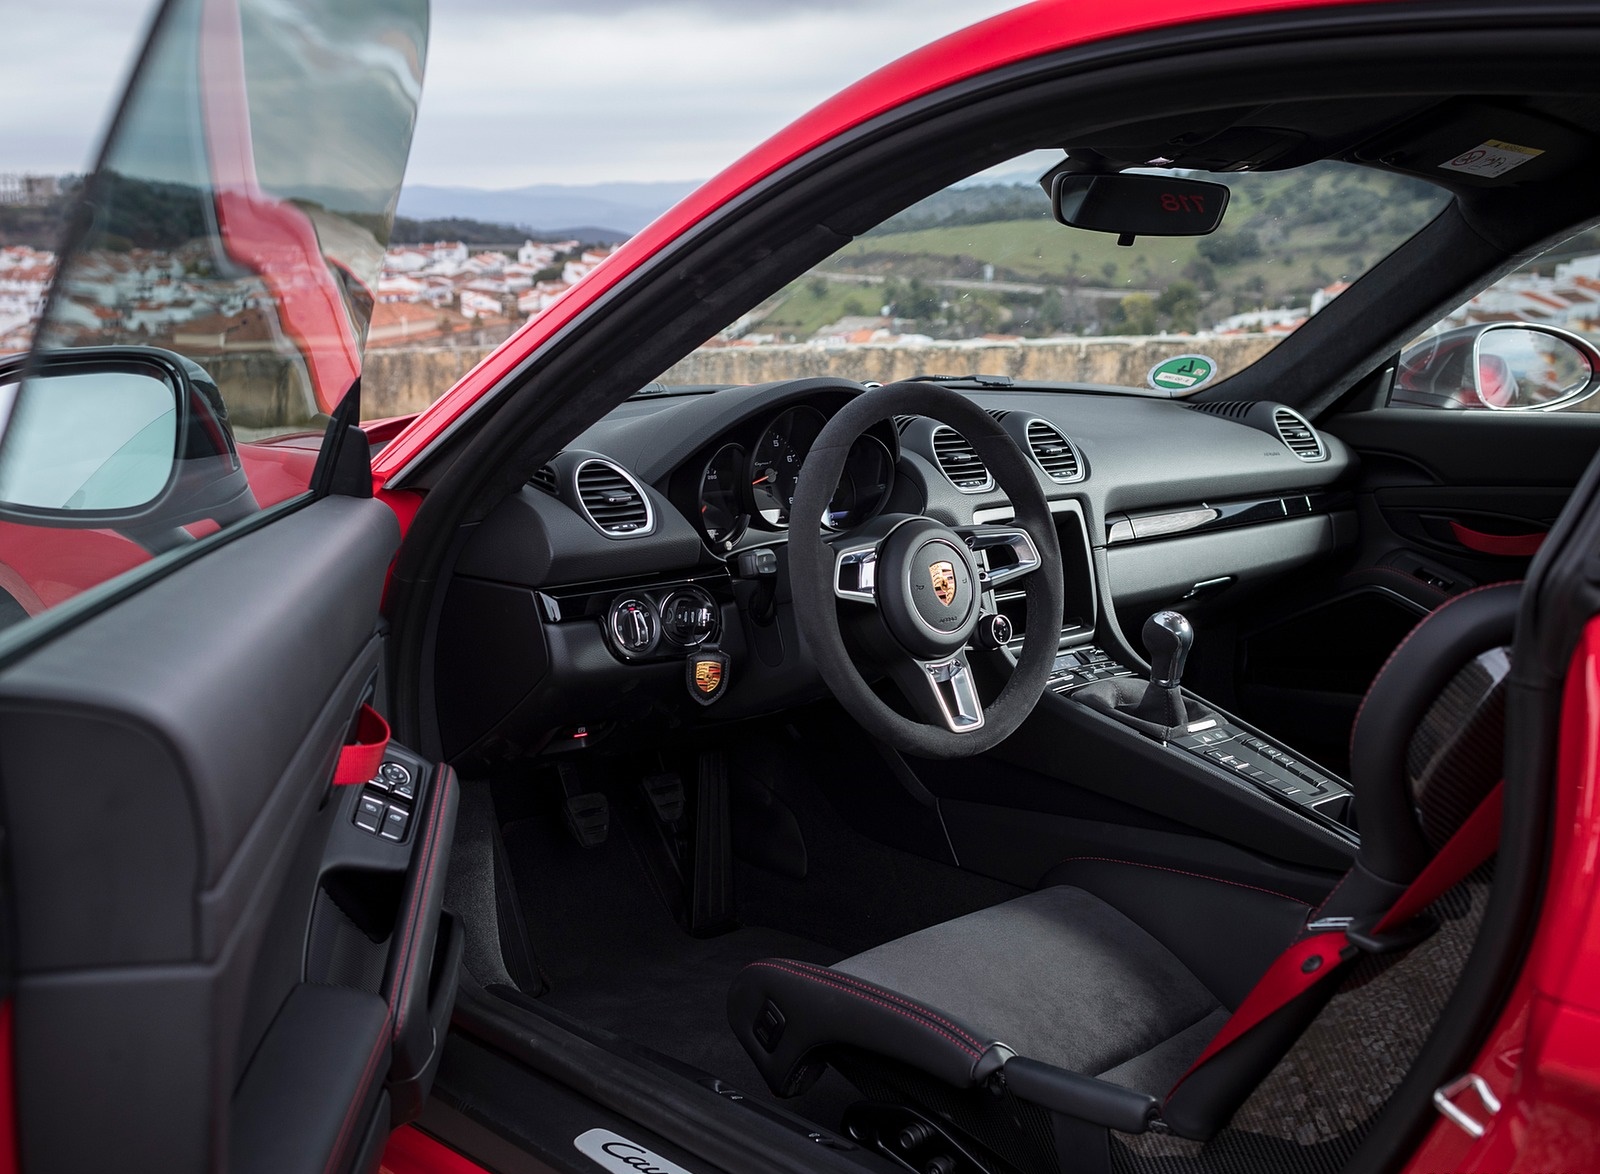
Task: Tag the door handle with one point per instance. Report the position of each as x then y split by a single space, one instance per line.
1524 545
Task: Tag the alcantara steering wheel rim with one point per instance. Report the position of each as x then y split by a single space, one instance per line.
915 563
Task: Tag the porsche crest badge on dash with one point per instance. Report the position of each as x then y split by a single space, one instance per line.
708 675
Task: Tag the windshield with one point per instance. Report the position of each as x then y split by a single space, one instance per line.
979 278
241 210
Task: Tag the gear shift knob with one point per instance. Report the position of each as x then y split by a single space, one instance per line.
1168 636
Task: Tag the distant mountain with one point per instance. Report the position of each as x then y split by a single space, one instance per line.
478 232
622 208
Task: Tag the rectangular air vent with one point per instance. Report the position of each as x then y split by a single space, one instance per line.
959 462
1232 409
544 477
1054 452
614 502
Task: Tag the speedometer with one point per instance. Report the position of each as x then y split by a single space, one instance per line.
776 460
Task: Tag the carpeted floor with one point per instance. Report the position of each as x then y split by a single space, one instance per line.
613 956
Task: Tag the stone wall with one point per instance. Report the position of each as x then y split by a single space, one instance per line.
398 382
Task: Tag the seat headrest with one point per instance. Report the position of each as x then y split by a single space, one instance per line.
1428 741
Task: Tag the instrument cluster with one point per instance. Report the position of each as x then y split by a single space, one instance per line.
748 481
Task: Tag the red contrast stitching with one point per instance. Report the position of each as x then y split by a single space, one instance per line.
423 890
412 917
1181 872
873 988
974 1053
1422 623
1333 892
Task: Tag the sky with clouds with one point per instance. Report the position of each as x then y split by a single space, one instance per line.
524 91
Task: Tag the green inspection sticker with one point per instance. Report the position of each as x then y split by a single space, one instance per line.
1183 373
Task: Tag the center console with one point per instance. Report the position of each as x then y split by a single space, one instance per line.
1217 739
1157 708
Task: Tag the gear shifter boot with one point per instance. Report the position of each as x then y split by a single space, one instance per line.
1155 708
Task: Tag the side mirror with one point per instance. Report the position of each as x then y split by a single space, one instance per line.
132 439
1501 367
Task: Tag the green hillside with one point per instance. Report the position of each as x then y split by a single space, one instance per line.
1285 235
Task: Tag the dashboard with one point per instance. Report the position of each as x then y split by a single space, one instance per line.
660 534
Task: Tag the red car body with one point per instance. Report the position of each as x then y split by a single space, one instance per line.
1542 1059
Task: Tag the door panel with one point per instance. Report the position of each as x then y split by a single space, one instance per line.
163 767
1447 500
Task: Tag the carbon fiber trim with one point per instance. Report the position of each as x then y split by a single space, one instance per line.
1457 754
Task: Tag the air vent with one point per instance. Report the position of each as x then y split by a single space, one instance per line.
959 462
998 414
1300 436
901 423
1054 452
544 477
1232 409
614 501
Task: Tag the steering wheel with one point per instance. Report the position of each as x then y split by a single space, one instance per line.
924 582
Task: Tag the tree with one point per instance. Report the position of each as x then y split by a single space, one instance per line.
1137 313
1179 303
1052 314
1229 248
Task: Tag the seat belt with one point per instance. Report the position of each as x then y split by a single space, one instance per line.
1315 959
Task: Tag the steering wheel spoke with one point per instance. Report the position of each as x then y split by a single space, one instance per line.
1005 553
944 691
855 571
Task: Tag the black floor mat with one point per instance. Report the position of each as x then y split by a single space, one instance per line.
614 957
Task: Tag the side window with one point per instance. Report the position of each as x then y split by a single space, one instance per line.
1528 343
210 304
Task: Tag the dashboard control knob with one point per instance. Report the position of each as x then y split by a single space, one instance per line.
1168 636
993 631
634 625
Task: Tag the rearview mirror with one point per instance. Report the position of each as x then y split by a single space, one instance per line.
132 439
1499 366
1138 205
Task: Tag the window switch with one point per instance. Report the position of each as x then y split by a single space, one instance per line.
369 813
394 823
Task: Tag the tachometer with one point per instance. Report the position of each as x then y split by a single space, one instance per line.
775 463
723 515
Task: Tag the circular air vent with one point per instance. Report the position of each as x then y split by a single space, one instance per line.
1054 452
1298 434
613 501
959 462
